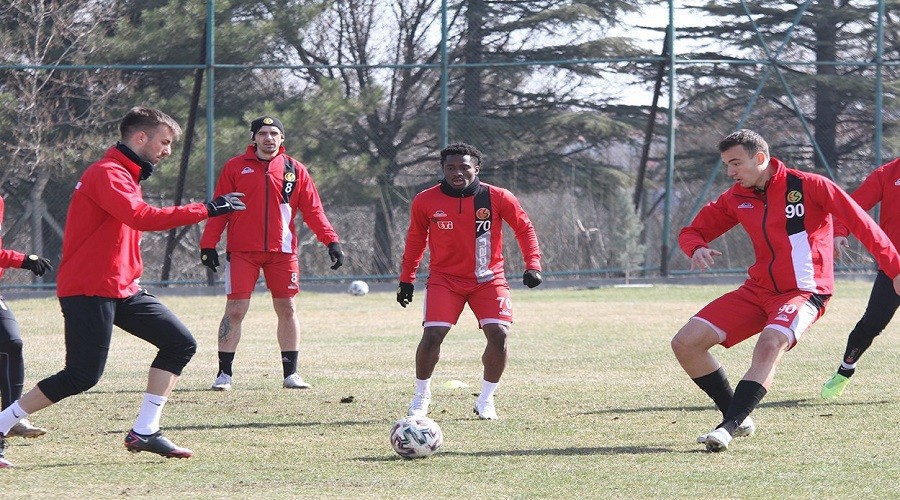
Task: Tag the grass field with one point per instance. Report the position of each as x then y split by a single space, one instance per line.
593 404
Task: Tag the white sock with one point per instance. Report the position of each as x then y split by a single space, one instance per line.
423 387
487 391
11 416
151 411
851 366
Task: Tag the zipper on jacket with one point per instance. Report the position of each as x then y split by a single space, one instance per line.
265 221
768 241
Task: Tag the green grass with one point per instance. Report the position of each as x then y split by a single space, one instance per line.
593 404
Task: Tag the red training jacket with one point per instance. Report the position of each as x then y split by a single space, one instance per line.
101 253
882 185
8 258
274 191
790 226
464 233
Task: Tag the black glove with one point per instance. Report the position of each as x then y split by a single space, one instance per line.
337 256
532 278
225 204
209 257
404 293
37 265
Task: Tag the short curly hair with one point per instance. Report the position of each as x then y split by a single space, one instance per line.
461 148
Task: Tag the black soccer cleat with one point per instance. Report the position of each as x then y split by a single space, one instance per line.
155 443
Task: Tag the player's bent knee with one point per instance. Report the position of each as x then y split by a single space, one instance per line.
173 359
12 348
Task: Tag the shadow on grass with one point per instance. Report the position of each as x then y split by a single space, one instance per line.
787 403
556 452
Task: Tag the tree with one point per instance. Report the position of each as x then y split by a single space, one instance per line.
834 96
42 104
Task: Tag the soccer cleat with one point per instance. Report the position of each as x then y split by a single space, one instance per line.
26 430
4 463
222 383
419 405
835 386
485 410
746 429
155 443
295 381
716 441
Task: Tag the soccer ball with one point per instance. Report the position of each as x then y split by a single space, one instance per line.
416 437
358 288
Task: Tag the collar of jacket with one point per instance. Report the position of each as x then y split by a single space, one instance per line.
145 166
469 190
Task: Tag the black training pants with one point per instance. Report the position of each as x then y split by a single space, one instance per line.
88 330
883 303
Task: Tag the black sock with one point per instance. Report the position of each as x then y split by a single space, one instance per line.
225 361
847 372
289 362
747 395
716 386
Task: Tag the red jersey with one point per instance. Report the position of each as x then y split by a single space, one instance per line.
882 185
464 232
8 258
274 191
101 253
790 226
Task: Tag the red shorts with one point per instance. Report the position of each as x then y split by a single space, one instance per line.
741 314
281 270
445 297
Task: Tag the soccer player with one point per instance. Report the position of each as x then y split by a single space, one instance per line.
98 287
263 237
787 215
882 185
12 362
461 220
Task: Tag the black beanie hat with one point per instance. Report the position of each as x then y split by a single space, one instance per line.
262 121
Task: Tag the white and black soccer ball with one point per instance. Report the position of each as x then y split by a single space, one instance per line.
416 437
358 288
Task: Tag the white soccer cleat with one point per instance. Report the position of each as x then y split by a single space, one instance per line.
746 429
716 441
485 410
295 381
418 407
24 429
222 383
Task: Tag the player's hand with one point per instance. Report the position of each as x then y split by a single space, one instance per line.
209 257
36 264
336 254
532 278
841 244
225 204
404 293
897 284
704 258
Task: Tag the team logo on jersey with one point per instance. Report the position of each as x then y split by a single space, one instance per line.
794 196
746 204
290 177
445 224
483 214
440 213
247 170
